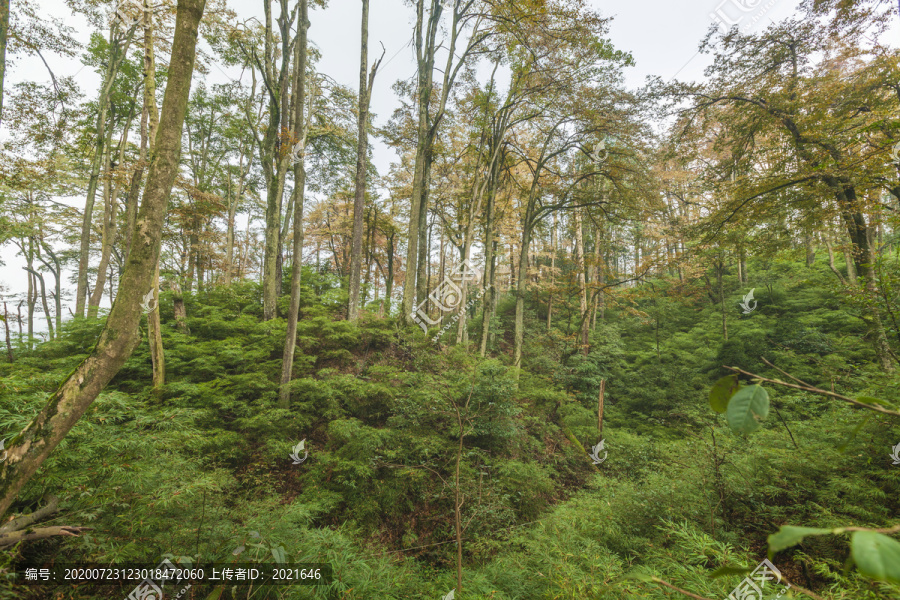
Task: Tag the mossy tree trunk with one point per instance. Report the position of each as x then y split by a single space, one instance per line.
30 448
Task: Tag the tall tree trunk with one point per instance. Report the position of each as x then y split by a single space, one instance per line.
581 265
32 291
232 211
40 278
423 275
300 125
30 448
108 235
552 273
598 277
273 158
4 29
720 276
57 289
362 145
154 332
389 280
178 309
9 350
831 264
150 117
415 284
521 280
118 51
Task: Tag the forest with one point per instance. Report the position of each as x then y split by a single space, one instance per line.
580 340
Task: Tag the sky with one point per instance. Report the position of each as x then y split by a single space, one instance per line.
662 36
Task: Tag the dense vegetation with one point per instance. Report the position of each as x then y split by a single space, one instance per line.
579 342
193 468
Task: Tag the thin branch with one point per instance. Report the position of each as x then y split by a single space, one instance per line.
677 589
810 388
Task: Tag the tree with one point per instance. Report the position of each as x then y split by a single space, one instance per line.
362 146
30 448
301 124
119 42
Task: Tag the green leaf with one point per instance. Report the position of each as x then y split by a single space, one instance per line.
725 571
216 593
636 575
788 536
875 401
745 407
279 555
722 391
876 555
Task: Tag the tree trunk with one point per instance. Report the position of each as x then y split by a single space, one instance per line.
720 276
519 335
154 332
232 210
179 310
47 314
300 124
581 265
273 159
55 270
389 280
4 29
116 55
362 145
9 350
552 273
831 260
108 236
600 408
32 291
149 129
810 250
30 448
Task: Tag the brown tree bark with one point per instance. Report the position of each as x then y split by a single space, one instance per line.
30 448
300 125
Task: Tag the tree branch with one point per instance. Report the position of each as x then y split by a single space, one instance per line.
809 388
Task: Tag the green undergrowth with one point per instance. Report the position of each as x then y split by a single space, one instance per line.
201 468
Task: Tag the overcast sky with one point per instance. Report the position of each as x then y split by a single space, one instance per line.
661 35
